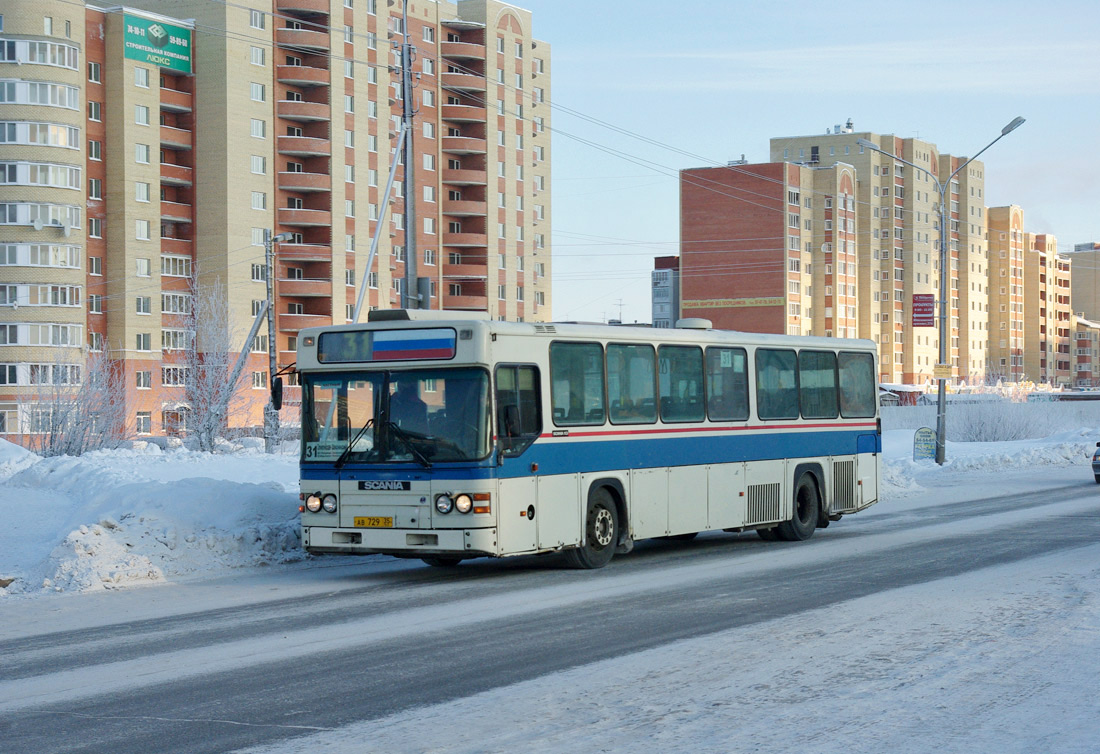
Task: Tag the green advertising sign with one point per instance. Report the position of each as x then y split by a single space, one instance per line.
157 42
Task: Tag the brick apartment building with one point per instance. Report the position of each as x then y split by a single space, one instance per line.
831 238
145 153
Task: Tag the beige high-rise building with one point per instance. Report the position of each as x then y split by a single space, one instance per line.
156 151
897 244
1048 330
1006 298
1085 259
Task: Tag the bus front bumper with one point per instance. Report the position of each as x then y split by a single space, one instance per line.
401 542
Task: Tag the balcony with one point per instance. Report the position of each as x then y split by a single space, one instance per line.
303 39
175 175
464 113
319 7
465 239
465 272
175 246
302 75
463 145
308 218
464 208
305 182
175 212
477 303
296 322
463 82
308 112
304 252
175 101
305 288
462 50
175 138
464 177
304 146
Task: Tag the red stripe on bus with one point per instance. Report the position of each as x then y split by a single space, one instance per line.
682 430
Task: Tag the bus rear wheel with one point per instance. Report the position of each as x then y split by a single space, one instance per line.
806 509
601 532
441 561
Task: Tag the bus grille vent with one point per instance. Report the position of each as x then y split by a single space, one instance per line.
844 486
763 503
549 329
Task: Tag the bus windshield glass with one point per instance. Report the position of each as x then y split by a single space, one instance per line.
422 416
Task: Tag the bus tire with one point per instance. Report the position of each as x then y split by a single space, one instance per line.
440 561
807 507
601 532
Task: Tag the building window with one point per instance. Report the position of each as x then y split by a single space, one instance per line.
141 232
95 188
143 342
259 128
349 103
259 200
257 19
259 164
258 92
95 228
95 73
141 115
259 56
144 305
141 77
95 111
141 154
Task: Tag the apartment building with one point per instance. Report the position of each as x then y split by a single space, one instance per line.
897 241
1006 299
665 296
1086 359
156 152
770 248
1048 329
1085 260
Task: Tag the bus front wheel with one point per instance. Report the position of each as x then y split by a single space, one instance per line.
601 532
806 509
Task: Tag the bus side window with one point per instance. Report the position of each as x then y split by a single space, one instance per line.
776 384
727 384
817 384
681 383
577 383
519 413
858 388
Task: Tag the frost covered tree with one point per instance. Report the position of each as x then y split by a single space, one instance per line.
209 357
78 407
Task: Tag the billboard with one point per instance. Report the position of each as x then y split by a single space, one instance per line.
162 44
924 310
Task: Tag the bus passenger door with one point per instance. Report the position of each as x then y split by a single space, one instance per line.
517 520
868 457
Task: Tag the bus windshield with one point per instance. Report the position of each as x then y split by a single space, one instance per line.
421 416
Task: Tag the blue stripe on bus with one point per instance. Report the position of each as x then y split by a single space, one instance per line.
589 456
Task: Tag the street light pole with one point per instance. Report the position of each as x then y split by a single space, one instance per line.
271 414
945 259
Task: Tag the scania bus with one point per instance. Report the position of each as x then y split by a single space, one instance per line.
443 437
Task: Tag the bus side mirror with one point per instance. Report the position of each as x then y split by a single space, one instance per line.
277 393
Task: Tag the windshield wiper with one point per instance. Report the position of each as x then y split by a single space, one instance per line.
347 451
404 437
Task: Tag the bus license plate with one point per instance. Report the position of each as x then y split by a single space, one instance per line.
374 522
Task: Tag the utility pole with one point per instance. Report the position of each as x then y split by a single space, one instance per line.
271 415
409 290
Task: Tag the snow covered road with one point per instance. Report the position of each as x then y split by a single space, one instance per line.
853 641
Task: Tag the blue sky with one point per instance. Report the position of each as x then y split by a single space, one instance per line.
713 81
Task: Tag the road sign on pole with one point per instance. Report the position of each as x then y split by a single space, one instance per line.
924 310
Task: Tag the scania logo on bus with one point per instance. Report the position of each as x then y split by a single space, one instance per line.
378 484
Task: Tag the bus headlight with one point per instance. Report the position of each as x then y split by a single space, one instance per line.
328 502
464 503
444 504
313 503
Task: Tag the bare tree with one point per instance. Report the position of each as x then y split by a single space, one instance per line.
78 407
209 358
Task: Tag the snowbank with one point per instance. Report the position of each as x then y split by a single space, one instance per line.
144 515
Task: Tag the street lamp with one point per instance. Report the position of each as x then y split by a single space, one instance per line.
941 404
271 413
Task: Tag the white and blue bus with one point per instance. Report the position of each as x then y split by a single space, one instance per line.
443 437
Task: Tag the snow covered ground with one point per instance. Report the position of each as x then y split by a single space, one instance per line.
113 519
1003 659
